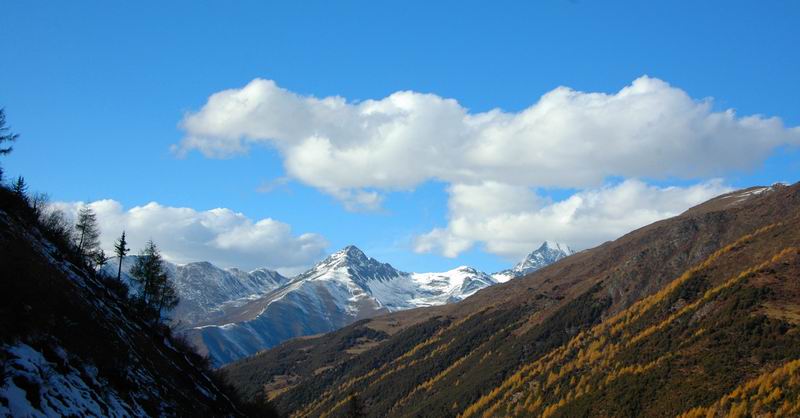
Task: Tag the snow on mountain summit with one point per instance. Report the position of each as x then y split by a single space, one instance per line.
450 286
548 253
355 265
345 287
392 289
557 246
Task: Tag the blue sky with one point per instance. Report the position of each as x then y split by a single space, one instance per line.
98 92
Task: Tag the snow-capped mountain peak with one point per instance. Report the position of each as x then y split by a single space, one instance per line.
555 246
547 253
349 255
350 263
346 286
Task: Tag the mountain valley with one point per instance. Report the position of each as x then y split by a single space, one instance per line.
678 317
696 315
229 313
361 209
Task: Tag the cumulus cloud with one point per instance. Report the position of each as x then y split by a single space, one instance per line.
567 138
221 236
497 162
513 220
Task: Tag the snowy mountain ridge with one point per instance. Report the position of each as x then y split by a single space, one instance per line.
343 288
206 290
450 286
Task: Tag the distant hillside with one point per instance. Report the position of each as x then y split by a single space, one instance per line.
692 315
71 345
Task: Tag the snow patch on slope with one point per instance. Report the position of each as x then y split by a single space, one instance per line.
40 378
70 391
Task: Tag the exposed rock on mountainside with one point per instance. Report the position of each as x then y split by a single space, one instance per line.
690 312
70 345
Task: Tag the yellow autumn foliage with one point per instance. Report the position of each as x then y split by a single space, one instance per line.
776 393
592 352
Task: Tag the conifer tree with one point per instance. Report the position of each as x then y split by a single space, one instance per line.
19 187
38 202
145 271
5 135
156 291
121 250
87 232
100 259
167 297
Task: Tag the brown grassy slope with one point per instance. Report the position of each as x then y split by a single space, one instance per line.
439 361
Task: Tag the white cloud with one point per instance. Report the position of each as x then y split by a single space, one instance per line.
566 139
495 161
583 220
221 236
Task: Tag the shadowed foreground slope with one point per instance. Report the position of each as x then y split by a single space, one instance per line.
70 345
674 316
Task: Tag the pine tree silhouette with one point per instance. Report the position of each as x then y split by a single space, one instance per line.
121 250
157 293
87 232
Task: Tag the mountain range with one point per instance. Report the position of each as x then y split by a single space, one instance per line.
229 313
206 290
696 315
347 286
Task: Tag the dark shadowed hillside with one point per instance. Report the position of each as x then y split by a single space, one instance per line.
688 313
71 345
